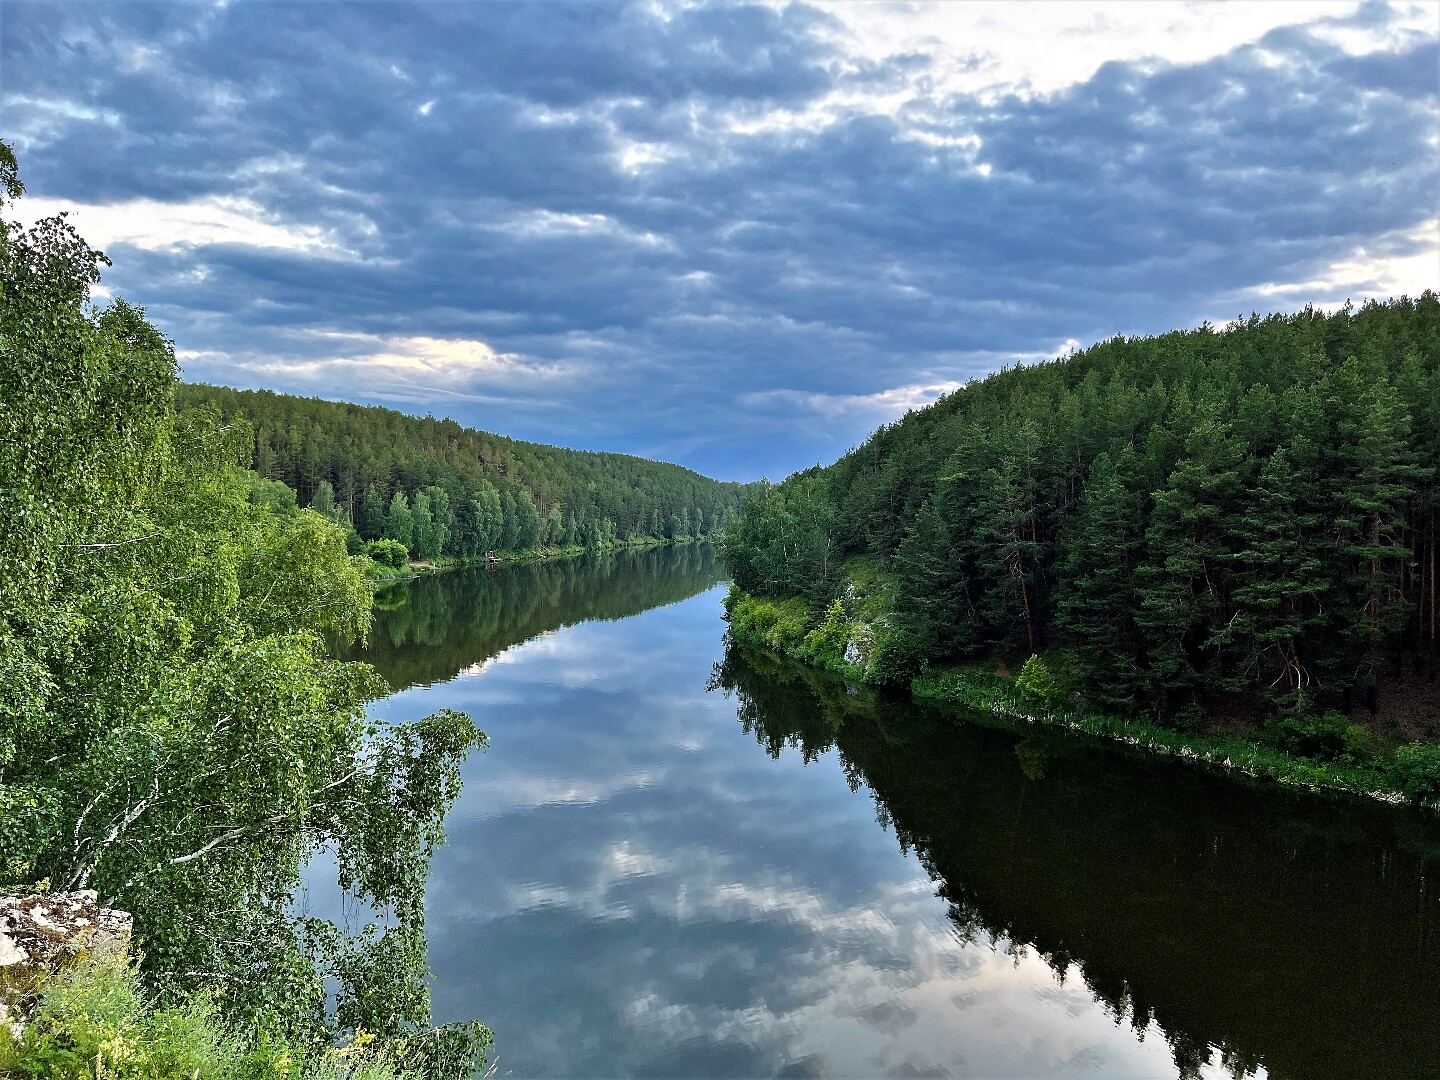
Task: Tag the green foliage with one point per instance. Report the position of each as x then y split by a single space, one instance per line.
173 731
1199 519
896 656
323 504
785 542
1325 737
399 522
371 524
778 625
389 553
271 494
1417 771
1037 684
498 493
825 645
95 1022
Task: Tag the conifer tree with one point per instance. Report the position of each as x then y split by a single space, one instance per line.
1097 598
372 515
399 526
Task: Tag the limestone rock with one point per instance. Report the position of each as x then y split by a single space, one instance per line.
42 929
39 933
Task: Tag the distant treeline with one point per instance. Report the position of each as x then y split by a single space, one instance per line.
443 489
1247 512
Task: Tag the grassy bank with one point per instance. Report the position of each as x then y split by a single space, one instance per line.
854 637
91 1021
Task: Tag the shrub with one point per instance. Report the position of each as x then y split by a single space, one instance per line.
1323 738
1417 771
1358 742
1037 684
896 656
389 553
93 1021
826 643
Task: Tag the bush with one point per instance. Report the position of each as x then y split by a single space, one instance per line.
896 656
1359 742
1417 771
1323 738
1036 683
91 1020
389 553
826 643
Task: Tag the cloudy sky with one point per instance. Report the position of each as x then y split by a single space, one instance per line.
734 236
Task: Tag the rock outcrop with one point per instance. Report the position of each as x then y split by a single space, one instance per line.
40 932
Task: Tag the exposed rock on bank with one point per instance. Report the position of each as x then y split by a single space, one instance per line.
39 933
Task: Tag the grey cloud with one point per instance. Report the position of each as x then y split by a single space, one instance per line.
844 259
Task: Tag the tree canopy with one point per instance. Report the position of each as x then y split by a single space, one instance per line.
482 491
1249 512
173 731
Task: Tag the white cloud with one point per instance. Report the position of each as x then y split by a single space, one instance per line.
169 226
1373 270
1045 46
887 404
406 368
540 224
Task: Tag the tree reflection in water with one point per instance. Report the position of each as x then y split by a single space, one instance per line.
1254 927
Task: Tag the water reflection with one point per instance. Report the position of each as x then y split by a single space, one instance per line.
432 628
1281 931
631 889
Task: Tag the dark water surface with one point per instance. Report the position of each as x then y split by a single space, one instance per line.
676 861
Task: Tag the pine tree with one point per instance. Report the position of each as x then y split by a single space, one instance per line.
398 524
1183 581
1372 480
1280 578
1096 592
372 515
936 606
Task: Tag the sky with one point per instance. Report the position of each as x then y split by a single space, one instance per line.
735 236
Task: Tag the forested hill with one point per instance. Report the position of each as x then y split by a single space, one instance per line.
1243 516
368 456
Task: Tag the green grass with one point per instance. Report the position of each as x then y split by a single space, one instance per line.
1000 697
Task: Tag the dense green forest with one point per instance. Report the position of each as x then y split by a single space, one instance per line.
445 490
174 732
1209 526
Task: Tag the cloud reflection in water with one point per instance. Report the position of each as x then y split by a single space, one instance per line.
631 888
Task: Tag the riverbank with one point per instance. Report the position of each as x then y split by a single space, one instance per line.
383 576
854 637
72 1005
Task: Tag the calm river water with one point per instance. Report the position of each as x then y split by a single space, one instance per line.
678 861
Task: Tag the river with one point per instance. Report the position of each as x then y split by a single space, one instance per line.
678 861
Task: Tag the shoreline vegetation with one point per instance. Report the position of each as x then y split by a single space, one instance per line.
177 737
842 639
1217 543
384 575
